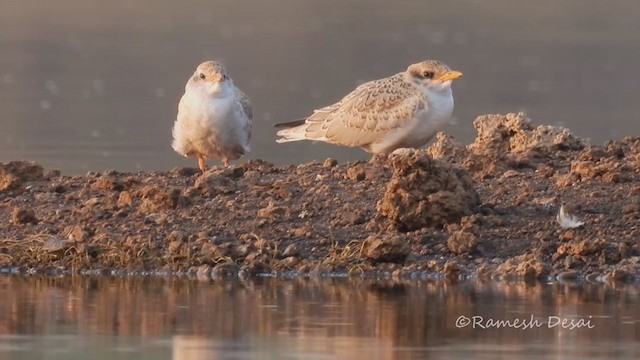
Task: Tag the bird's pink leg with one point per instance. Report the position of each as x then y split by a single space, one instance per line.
202 164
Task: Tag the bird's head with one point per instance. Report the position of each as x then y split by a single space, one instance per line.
432 75
210 76
211 71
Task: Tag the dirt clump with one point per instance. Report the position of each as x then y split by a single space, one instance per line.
464 239
385 250
15 173
23 216
155 198
216 182
511 141
425 192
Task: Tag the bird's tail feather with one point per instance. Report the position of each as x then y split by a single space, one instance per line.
296 133
290 124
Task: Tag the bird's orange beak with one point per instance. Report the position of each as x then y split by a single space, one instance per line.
449 75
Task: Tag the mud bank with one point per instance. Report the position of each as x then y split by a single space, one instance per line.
487 209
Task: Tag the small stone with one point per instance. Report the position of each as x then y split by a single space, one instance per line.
356 218
23 216
329 163
567 235
580 248
614 177
253 268
282 193
54 245
107 183
213 183
185 171
124 199
203 272
77 234
385 250
632 208
175 248
302 232
621 275
356 173
464 241
291 250
51 174
509 174
565 180
58 188
452 270
8 181
225 270
156 198
176 236
211 252
545 170
586 169
272 211
290 261
532 269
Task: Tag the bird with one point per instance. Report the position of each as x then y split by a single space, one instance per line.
214 117
401 111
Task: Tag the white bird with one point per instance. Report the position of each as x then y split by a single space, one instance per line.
214 117
402 111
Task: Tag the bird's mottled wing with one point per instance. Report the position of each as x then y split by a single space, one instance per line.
367 113
245 105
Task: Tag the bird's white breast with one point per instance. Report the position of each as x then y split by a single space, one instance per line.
439 104
214 111
429 120
208 121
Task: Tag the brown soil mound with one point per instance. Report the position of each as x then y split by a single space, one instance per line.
488 209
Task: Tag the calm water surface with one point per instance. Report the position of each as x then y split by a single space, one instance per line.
151 318
91 85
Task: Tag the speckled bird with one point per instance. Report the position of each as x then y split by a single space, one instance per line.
402 111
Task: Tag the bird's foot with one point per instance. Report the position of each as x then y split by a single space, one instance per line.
202 164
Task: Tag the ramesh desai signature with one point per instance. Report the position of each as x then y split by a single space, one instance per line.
480 322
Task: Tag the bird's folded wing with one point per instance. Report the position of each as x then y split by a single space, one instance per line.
366 114
244 105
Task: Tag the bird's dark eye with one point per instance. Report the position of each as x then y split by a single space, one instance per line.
202 76
428 74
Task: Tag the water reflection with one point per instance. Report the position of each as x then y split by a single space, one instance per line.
303 319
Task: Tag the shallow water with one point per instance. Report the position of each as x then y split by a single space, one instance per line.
156 318
94 85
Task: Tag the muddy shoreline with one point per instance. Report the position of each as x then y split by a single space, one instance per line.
488 209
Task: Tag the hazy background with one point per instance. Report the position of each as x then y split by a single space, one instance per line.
94 85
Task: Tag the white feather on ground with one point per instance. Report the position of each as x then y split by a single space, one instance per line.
566 220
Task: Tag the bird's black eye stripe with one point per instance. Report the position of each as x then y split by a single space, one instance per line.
202 76
428 74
